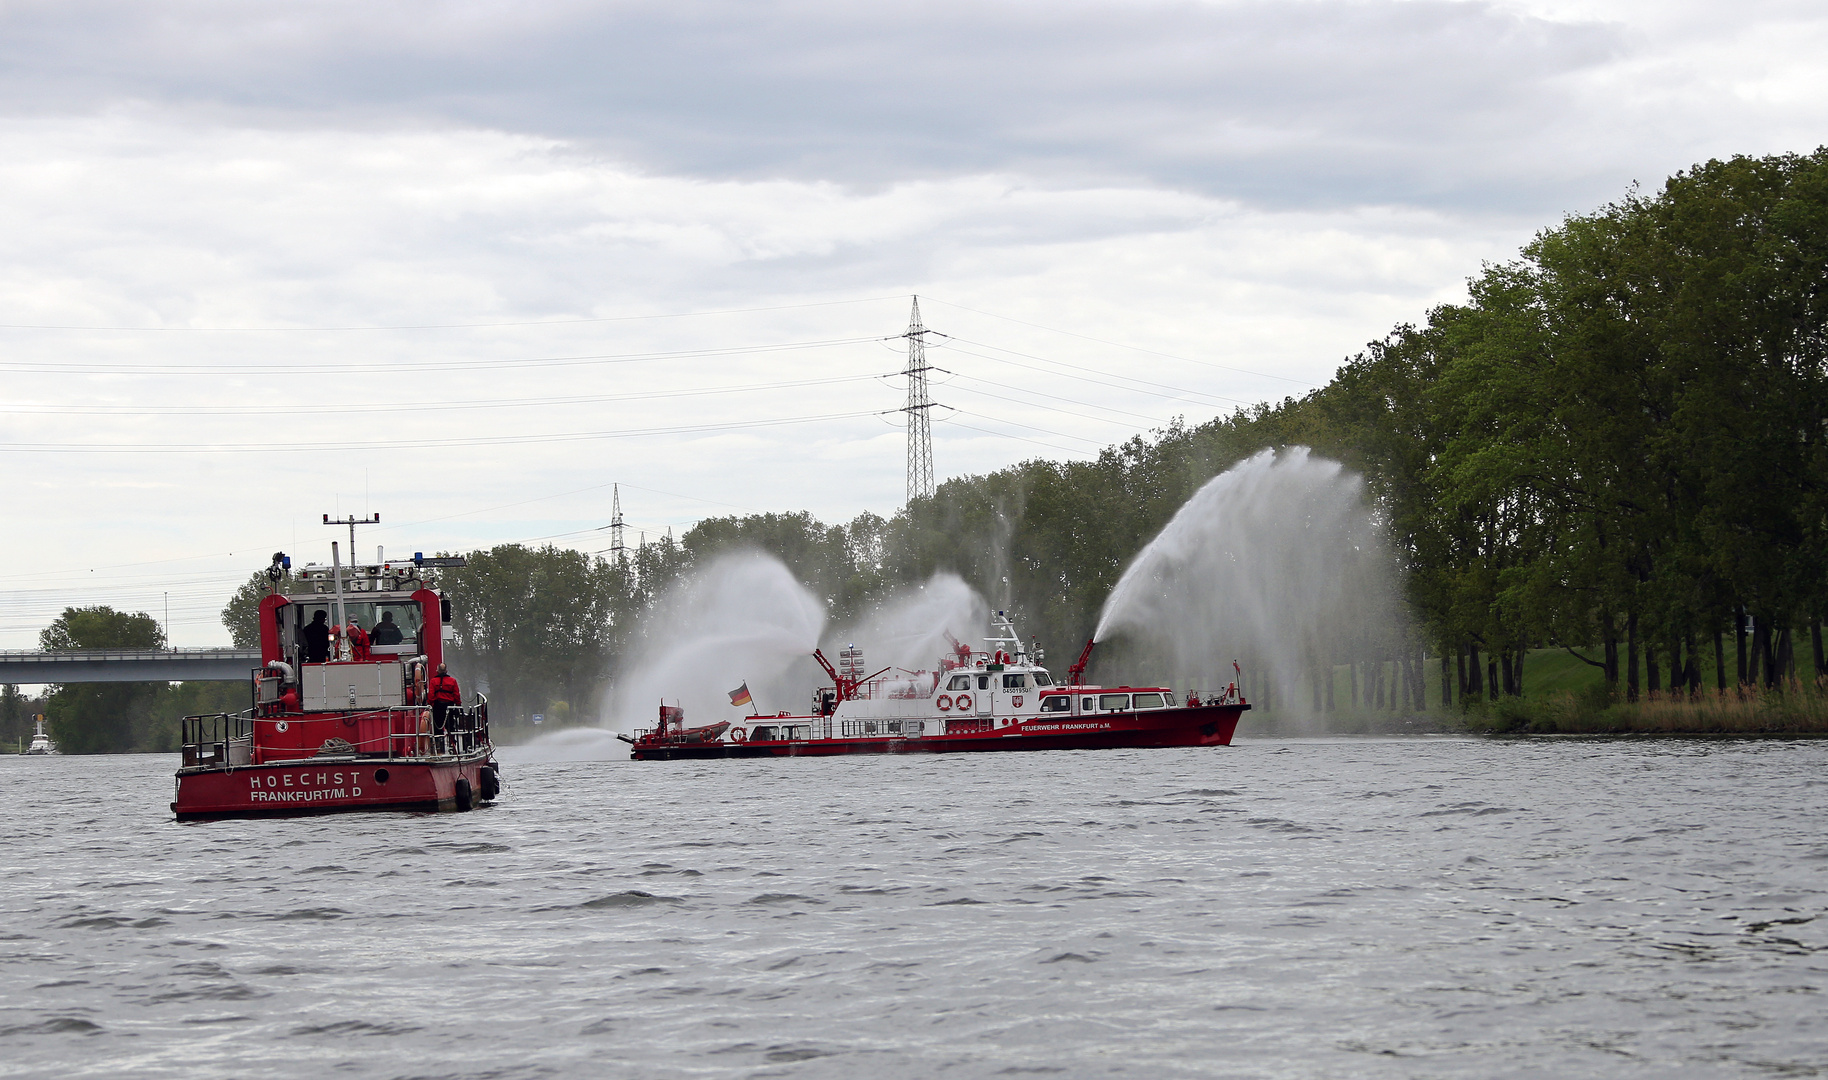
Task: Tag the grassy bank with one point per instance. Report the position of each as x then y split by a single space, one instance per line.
1565 696
1798 709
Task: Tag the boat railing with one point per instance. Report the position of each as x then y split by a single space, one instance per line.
207 739
852 729
228 739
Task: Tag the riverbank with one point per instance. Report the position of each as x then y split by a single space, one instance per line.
1797 710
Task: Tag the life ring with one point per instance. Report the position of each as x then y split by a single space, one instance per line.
944 703
964 702
739 734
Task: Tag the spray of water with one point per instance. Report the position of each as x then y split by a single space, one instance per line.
908 630
741 619
1277 562
570 744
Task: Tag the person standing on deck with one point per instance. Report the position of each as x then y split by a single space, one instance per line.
386 632
358 642
317 639
444 694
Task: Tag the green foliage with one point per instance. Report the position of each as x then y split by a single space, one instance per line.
242 613
1619 443
538 625
101 627
102 718
16 712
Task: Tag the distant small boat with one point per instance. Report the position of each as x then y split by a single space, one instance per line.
42 746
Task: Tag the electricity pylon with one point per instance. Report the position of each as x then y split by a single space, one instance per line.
920 427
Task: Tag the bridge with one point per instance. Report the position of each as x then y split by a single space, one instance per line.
128 665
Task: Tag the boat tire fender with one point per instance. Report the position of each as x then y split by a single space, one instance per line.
944 703
964 702
491 784
739 734
463 793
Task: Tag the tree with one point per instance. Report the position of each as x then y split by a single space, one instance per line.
102 718
241 615
535 624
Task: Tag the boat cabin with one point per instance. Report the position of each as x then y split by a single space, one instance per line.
334 691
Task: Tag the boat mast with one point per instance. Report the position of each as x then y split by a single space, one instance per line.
336 566
336 572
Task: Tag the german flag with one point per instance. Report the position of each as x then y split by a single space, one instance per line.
740 695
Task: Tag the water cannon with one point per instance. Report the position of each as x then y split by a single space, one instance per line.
281 563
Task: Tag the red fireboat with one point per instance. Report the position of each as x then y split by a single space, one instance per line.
998 698
341 720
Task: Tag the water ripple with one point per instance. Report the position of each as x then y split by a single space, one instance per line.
1379 908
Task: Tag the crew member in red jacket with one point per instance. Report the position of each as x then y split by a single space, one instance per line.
444 694
358 642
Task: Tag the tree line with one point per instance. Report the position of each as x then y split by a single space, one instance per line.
1614 447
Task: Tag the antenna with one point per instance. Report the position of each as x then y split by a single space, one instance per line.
352 521
617 550
920 427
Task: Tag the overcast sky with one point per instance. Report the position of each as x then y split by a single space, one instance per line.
467 266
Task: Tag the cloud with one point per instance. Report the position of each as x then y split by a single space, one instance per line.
1324 102
1259 187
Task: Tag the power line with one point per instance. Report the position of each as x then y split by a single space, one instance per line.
1174 392
389 367
1019 389
434 326
414 444
1121 345
1029 427
428 406
953 422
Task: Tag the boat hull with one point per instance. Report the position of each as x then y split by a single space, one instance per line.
1205 725
328 786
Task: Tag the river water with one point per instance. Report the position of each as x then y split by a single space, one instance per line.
1411 907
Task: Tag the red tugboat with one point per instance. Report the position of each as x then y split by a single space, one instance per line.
1000 698
342 715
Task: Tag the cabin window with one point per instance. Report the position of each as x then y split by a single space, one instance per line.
1088 704
983 682
763 733
1015 682
1150 701
1042 678
1056 703
392 625
959 682
1113 702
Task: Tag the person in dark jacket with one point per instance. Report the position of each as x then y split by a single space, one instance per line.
387 632
444 694
317 638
